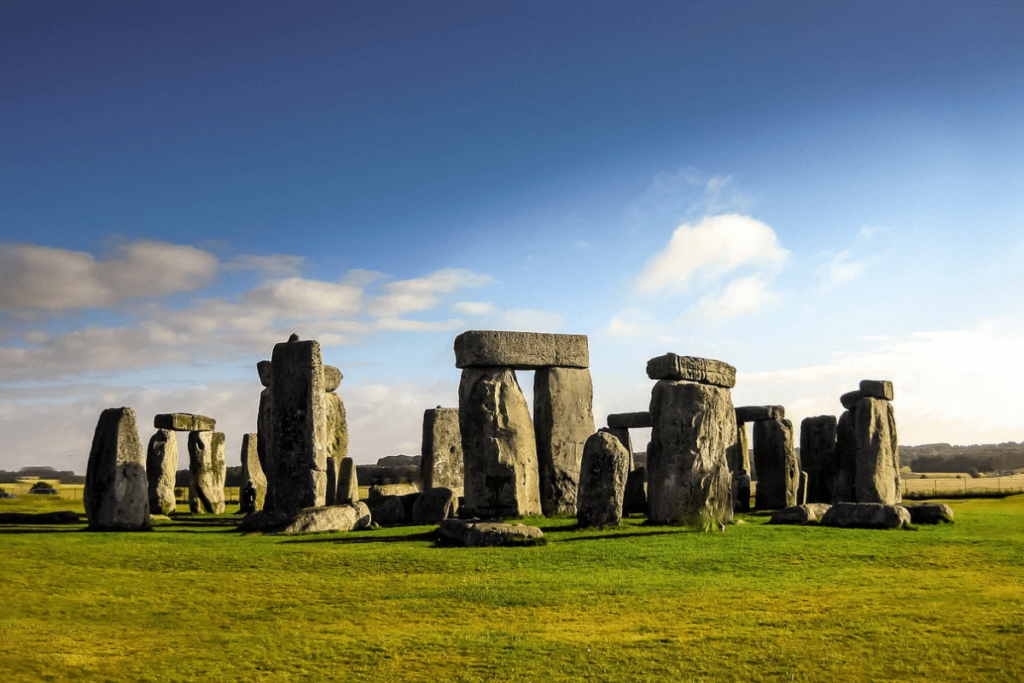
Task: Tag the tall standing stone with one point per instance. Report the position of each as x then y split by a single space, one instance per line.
116 496
299 449
161 469
843 485
251 468
498 446
818 456
441 450
335 430
602 481
208 468
333 470
264 431
563 400
878 462
348 483
693 430
778 468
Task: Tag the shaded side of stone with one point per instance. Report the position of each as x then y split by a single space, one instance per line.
435 505
563 420
498 447
866 516
850 399
692 369
603 473
693 430
184 422
348 483
520 350
252 470
757 413
386 510
161 469
800 514
336 435
478 534
778 469
332 481
116 492
630 420
207 468
877 478
739 457
264 436
299 427
876 388
634 497
441 451
843 485
818 456
930 513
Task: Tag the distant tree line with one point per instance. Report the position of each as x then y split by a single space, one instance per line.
942 457
63 476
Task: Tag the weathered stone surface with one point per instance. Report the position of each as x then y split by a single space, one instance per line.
693 430
265 371
208 468
520 350
741 491
640 420
386 510
328 518
184 422
335 432
778 468
563 420
331 492
876 388
161 469
498 448
843 486
264 521
434 506
801 489
739 457
348 484
116 490
634 497
866 516
818 456
332 378
800 514
381 490
850 399
477 534
264 433
299 441
758 413
930 513
878 458
409 503
692 369
602 483
623 436
441 451
251 468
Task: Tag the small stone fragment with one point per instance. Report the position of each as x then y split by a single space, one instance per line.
692 369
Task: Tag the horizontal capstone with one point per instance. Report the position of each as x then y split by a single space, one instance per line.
521 350
690 368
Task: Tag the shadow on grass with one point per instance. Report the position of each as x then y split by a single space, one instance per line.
360 537
624 534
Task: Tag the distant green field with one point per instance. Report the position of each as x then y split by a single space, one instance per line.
195 601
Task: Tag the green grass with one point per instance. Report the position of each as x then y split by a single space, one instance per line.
194 601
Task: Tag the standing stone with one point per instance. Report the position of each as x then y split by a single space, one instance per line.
846 460
161 468
208 468
818 456
693 430
801 490
563 420
299 443
778 468
335 430
877 477
634 498
622 435
498 447
251 468
441 450
264 435
348 484
434 506
739 457
333 469
116 496
602 481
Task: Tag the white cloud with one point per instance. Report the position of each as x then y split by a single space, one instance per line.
421 294
268 266
308 296
530 320
473 307
45 278
712 248
738 297
840 269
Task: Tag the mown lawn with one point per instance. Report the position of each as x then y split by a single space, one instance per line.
195 601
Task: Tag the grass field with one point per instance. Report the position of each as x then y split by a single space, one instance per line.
195 601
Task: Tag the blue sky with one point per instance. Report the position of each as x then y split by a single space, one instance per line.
815 192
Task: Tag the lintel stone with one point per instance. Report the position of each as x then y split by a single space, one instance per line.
757 413
184 422
850 399
692 369
876 388
521 350
641 420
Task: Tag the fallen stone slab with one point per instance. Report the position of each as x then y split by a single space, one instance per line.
692 369
876 388
386 510
382 490
184 422
330 518
56 517
930 513
478 534
800 514
866 516
521 350
435 506
641 420
757 413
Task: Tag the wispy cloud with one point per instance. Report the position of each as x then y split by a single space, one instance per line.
739 297
840 269
267 266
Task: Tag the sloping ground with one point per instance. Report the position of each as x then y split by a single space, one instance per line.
194 601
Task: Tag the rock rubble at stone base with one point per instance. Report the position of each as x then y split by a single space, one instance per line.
866 516
479 534
800 514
